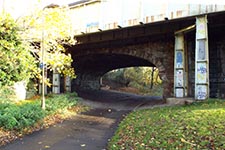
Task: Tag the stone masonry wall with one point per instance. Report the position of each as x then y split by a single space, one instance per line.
160 53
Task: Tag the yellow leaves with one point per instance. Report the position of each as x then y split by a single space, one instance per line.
47 147
54 22
50 26
69 72
184 141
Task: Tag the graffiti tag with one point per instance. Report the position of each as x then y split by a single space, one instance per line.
202 70
201 94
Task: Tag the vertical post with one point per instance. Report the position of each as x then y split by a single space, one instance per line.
56 82
179 66
43 75
40 86
201 59
100 81
43 62
3 6
67 82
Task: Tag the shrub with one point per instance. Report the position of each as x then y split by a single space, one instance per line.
7 94
57 102
16 60
19 116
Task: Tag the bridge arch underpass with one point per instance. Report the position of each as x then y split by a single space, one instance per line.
92 60
155 42
90 68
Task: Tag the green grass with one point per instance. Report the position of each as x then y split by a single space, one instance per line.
195 126
17 116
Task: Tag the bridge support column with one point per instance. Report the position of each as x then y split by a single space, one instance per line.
87 81
67 84
40 86
56 82
179 67
201 59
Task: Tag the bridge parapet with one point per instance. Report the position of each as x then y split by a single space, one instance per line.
99 15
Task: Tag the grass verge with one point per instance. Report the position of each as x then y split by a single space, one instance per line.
200 125
18 119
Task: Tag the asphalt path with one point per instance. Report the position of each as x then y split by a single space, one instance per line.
90 130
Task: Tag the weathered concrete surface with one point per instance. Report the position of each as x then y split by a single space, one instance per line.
179 101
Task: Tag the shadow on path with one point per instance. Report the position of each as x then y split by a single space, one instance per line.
119 100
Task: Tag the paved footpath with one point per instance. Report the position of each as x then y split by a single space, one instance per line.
87 131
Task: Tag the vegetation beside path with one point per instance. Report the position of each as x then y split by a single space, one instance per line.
200 125
18 119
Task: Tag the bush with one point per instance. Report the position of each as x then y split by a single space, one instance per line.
7 94
17 63
59 102
19 116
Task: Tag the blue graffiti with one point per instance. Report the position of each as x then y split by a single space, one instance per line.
202 95
179 57
202 70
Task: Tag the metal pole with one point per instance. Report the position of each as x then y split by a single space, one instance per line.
43 64
3 6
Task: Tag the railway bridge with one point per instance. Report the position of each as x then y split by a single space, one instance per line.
189 53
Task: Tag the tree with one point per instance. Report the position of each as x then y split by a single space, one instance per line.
52 26
16 61
141 78
50 29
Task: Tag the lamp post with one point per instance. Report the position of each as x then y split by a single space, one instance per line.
43 52
43 61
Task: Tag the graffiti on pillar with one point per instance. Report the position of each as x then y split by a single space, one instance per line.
201 28
201 50
179 59
179 92
68 84
201 92
201 72
180 78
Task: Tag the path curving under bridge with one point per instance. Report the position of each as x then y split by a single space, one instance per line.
90 130
118 100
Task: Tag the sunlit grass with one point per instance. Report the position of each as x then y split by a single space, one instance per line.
196 126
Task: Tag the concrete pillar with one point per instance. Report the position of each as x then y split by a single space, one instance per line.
40 88
56 82
67 84
179 66
40 85
201 59
100 81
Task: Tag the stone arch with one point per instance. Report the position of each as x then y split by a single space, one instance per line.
146 54
157 53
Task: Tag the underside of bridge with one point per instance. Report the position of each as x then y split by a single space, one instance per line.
90 68
149 45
